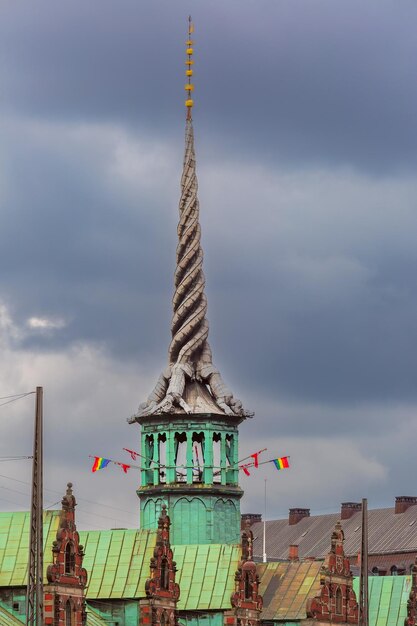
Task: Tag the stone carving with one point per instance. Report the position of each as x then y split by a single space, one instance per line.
190 357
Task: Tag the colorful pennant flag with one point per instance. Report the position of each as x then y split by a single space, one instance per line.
99 463
255 456
281 463
124 466
132 453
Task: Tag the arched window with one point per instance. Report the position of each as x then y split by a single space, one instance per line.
394 570
248 586
375 571
339 601
69 558
164 618
164 574
68 614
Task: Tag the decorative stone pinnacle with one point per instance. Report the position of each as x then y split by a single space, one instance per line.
189 354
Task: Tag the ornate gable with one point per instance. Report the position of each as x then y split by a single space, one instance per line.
246 601
67 578
337 600
160 606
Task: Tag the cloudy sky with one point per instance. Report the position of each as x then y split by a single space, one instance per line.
306 139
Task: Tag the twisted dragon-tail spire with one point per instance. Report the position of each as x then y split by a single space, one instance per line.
189 353
189 324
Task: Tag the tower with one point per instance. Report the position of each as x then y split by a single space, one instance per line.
189 436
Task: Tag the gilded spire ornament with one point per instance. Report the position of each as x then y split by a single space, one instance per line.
191 383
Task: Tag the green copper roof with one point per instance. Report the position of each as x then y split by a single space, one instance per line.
14 545
117 562
388 597
8 618
94 618
206 575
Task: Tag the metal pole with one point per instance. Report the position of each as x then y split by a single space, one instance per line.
363 585
264 537
34 603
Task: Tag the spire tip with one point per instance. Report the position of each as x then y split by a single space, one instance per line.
189 87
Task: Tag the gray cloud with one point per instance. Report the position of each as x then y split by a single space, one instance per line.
306 152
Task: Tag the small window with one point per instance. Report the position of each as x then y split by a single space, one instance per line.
68 614
248 586
69 558
339 601
164 574
16 606
394 570
375 571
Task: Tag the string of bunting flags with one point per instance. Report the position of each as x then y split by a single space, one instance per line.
280 462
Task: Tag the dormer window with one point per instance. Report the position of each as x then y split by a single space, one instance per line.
164 574
69 558
248 586
68 614
339 601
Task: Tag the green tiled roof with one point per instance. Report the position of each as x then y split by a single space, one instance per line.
7 618
388 597
14 545
117 562
94 618
206 575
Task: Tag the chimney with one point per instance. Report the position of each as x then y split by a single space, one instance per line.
403 502
349 508
296 515
251 518
293 552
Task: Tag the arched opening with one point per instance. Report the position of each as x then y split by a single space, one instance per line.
375 571
149 455
339 601
231 468
164 574
180 457
68 614
162 455
164 619
248 586
217 475
198 455
69 558
394 570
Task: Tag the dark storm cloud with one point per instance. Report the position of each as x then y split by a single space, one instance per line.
74 244
295 81
306 150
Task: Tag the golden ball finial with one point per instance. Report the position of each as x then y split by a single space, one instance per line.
189 87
